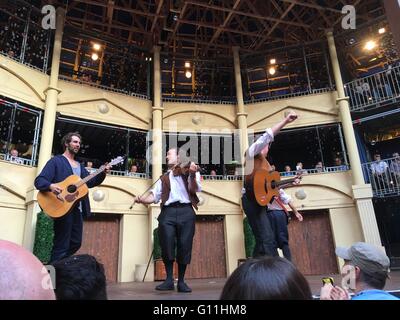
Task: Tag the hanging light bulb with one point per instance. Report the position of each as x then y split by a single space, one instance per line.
187 64
272 71
188 74
95 56
370 45
96 46
272 61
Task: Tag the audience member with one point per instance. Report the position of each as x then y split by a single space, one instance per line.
22 275
80 277
339 165
395 167
288 172
379 169
299 169
14 157
366 268
319 167
269 278
89 167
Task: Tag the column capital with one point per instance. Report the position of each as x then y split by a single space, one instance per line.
342 99
52 88
329 32
362 191
157 108
239 114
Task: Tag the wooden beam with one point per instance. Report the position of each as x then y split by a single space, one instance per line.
159 6
247 14
312 5
138 12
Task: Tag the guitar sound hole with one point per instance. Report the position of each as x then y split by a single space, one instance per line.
71 188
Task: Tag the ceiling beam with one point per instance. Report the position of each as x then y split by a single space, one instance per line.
312 5
247 14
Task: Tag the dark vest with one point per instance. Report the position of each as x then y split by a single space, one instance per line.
166 189
259 163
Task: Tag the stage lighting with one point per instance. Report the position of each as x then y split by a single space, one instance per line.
188 74
272 71
95 56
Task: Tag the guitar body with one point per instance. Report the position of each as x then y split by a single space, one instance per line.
265 186
57 206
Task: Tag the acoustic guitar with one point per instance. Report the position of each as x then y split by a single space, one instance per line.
74 188
266 185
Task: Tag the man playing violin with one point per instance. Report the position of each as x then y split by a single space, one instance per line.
258 220
177 192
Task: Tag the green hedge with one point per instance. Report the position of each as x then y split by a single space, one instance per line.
249 240
43 237
156 245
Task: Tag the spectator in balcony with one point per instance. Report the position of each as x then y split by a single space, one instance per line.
379 169
299 169
395 168
14 157
213 174
381 88
288 171
89 166
339 165
133 171
319 167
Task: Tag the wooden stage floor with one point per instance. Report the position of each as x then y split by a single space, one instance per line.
206 289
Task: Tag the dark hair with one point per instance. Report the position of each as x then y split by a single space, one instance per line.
377 280
80 277
68 137
270 278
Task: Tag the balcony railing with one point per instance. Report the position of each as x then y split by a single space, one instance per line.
378 90
17 160
384 176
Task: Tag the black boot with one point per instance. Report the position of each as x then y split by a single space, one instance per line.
168 284
182 286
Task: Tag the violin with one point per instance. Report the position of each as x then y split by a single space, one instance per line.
185 168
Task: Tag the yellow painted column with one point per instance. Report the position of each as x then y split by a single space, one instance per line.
51 93
46 142
240 114
362 193
157 156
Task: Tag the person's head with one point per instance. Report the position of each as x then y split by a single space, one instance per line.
80 277
288 169
22 275
338 161
396 155
213 173
377 157
270 278
14 152
71 142
173 156
299 166
133 168
89 164
371 265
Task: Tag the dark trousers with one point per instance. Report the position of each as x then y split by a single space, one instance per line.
67 235
176 223
279 222
261 227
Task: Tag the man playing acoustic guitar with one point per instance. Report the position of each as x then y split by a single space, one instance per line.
68 228
256 213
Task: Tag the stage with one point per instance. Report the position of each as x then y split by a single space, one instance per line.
206 289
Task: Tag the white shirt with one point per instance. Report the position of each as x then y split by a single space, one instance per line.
379 167
260 143
178 190
284 197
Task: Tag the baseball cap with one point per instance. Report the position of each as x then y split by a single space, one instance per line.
367 257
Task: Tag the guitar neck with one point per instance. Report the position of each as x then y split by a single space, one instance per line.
288 181
90 176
